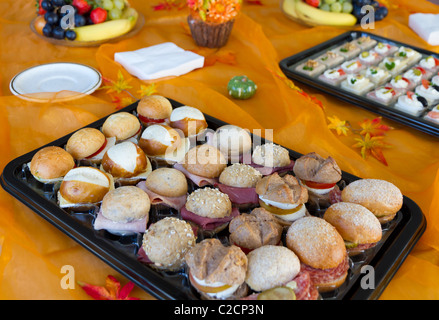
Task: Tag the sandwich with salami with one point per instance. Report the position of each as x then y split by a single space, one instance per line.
216 271
321 251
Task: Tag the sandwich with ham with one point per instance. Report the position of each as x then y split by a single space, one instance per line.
83 188
165 244
283 197
358 227
154 109
189 120
166 187
255 229
216 271
269 158
202 165
274 273
88 145
381 197
124 211
321 251
123 126
320 177
239 181
163 143
233 141
127 163
50 164
209 210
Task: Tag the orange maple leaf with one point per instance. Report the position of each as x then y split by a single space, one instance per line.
111 291
212 56
373 146
374 127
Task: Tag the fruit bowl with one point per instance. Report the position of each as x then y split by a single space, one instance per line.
86 34
335 13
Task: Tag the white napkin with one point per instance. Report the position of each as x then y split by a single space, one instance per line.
158 61
426 25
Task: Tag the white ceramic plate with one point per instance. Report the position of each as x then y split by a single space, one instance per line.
56 77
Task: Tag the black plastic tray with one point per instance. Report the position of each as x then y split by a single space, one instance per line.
389 112
399 236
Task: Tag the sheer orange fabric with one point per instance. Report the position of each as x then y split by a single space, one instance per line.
33 251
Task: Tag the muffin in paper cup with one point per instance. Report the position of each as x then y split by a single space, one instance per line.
211 21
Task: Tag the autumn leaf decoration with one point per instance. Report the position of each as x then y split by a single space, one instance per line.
371 135
169 5
119 92
111 291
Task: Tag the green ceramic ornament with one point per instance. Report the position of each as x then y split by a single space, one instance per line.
241 87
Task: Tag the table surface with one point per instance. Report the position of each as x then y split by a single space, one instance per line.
33 252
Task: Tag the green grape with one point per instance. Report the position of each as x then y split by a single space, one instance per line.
336 7
325 7
107 4
347 7
115 14
119 4
329 1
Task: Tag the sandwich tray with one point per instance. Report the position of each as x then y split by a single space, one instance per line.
291 68
399 236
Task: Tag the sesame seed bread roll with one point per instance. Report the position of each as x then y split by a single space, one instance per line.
355 223
271 155
166 243
240 175
271 266
209 203
381 197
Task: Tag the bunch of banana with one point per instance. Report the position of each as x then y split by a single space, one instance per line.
298 9
108 29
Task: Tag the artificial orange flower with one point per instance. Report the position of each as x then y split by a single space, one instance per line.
121 84
338 125
373 127
111 291
372 145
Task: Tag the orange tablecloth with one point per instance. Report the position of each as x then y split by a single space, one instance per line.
32 252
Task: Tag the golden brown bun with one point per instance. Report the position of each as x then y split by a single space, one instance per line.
209 202
205 160
232 141
125 160
354 222
85 142
154 107
271 155
166 243
51 162
125 204
312 167
122 125
271 266
167 182
255 230
316 242
189 120
240 175
282 189
157 140
379 196
84 185
212 262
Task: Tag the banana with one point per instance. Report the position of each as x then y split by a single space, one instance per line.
289 7
315 16
108 29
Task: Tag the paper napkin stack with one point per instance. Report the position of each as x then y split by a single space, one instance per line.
426 25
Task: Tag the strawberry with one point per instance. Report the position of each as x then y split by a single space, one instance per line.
98 15
40 10
82 6
314 3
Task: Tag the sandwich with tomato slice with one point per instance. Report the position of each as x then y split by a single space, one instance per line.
284 197
88 145
320 177
321 251
216 271
123 126
154 109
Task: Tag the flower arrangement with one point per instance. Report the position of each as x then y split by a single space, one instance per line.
211 21
215 11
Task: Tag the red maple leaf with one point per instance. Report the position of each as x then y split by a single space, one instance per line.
111 290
